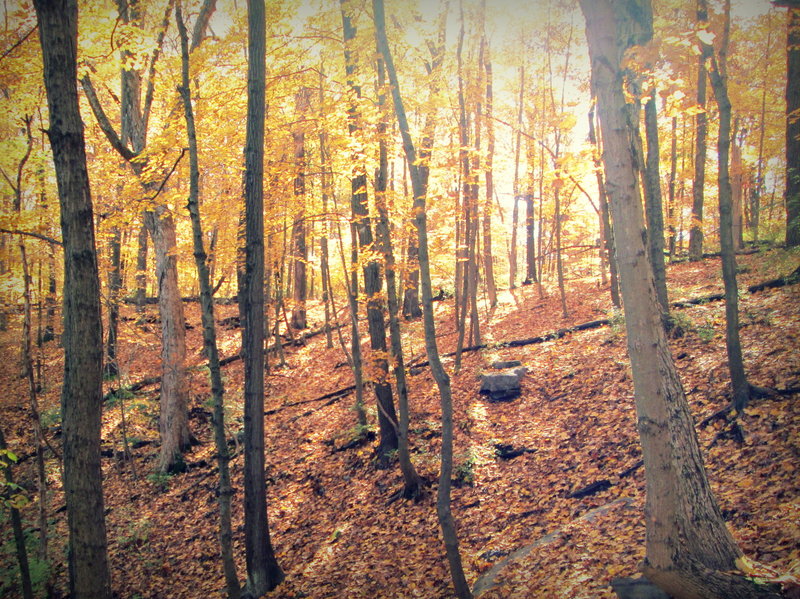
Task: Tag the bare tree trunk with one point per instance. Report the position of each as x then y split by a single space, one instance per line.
114 286
16 522
673 171
82 391
690 551
263 571
299 249
209 331
443 510
698 185
512 251
412 483
488 258
654 209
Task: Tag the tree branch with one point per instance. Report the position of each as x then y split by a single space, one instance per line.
102 120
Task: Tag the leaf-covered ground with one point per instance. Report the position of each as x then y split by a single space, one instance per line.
336 531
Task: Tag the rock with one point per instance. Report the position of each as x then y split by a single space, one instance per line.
637 588
499 365
501 386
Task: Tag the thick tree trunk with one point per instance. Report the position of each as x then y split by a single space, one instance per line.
209 331
263 571
82 392
443 510
173 418
689 548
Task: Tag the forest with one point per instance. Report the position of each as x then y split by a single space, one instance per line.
383 298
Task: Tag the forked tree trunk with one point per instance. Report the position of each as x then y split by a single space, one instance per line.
263 571
209 330
82 391
690 551
443 510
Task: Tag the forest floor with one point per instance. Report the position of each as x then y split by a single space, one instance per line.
334 527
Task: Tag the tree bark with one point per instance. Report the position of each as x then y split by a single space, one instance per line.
299 245
82 392
209 330
16 523
698 185
387 418
443 510
792 189
740 387
689 548
654 208
263 571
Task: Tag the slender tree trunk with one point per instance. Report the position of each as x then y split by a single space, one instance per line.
387 418
16 523
559 263
673 171
792 189
82 391
140 296
299 245
114 287
412 484
737 187
488 258
605 216
443 510
698 186
654 209
759 186
263 571
690 551
209 331
740 387
512 252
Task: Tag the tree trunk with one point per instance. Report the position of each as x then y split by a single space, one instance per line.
173 419
299 249
488 257
141 270
689 548
512 251
655 211
209 331
608 234
737 187
412 483
740 387
114 287
698 185
792 190
16 523
387 418
446 520
82 392
673 172
263 571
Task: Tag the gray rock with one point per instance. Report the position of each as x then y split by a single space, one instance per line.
506 364
501 386
637 588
